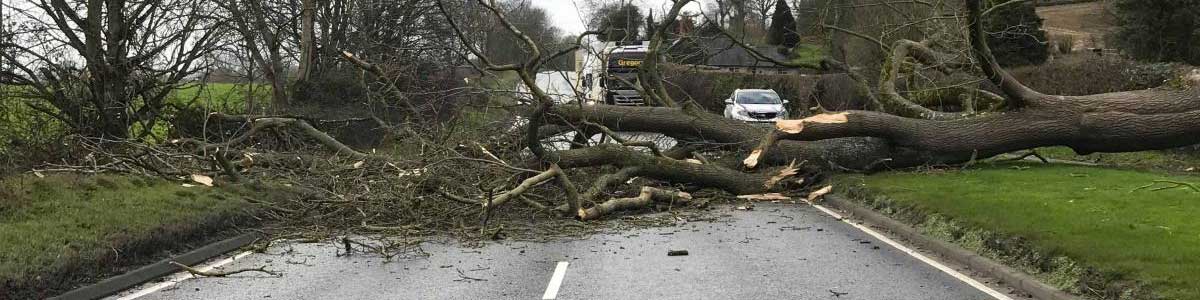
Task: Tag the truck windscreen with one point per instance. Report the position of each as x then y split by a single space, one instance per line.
621 81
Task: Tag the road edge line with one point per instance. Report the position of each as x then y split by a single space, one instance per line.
1014 278
115 284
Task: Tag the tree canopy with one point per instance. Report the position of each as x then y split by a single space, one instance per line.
619 21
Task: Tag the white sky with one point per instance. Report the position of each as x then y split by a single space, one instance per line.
568 14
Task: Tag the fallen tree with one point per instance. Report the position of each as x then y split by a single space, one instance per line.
630 162
1115 122
905 134
479 175
898 133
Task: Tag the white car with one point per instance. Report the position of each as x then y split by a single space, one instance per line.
752 105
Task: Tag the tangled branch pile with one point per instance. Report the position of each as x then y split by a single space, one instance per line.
576 162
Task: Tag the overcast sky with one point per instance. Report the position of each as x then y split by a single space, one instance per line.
568 14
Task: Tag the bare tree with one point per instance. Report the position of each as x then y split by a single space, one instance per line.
4 36
762 12
737 21
720 11
133 54
261 26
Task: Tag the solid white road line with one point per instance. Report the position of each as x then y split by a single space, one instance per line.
181 276
960 276
556 281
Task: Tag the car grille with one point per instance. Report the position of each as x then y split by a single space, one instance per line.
763 116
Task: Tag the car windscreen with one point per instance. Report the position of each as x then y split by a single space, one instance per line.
758 97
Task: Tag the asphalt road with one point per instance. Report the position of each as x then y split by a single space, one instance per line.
776 251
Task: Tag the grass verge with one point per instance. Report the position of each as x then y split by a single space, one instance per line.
60 231
1089 231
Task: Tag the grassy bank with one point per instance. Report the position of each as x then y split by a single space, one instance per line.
1169 161
808 54
1090 231
61 230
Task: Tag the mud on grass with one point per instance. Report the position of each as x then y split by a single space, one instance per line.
1088 231
62 231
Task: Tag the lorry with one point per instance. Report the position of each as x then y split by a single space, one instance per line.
606 72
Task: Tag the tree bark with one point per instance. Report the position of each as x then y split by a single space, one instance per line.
855 153
307 46
667 169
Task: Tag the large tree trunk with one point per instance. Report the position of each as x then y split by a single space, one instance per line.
856 153
866 140
667 169
1114 122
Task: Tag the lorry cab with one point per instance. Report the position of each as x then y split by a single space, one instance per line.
608 72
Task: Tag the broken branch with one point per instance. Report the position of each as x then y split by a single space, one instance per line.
199 272
647 197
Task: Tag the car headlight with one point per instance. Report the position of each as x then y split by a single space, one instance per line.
741 112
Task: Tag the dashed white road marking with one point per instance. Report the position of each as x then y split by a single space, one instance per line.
181 276
556 281
960 276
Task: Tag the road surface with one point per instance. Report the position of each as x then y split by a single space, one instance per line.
774 251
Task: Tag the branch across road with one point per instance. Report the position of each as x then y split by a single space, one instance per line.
774 251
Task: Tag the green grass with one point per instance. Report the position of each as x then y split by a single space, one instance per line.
808 54
223 97
1094 216
17 120
1148 160
61 223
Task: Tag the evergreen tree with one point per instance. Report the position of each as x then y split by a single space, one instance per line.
783 27
1016 36
650 26
621 22
1159 30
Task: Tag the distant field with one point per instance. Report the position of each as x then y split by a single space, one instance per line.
1086 23
225 97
